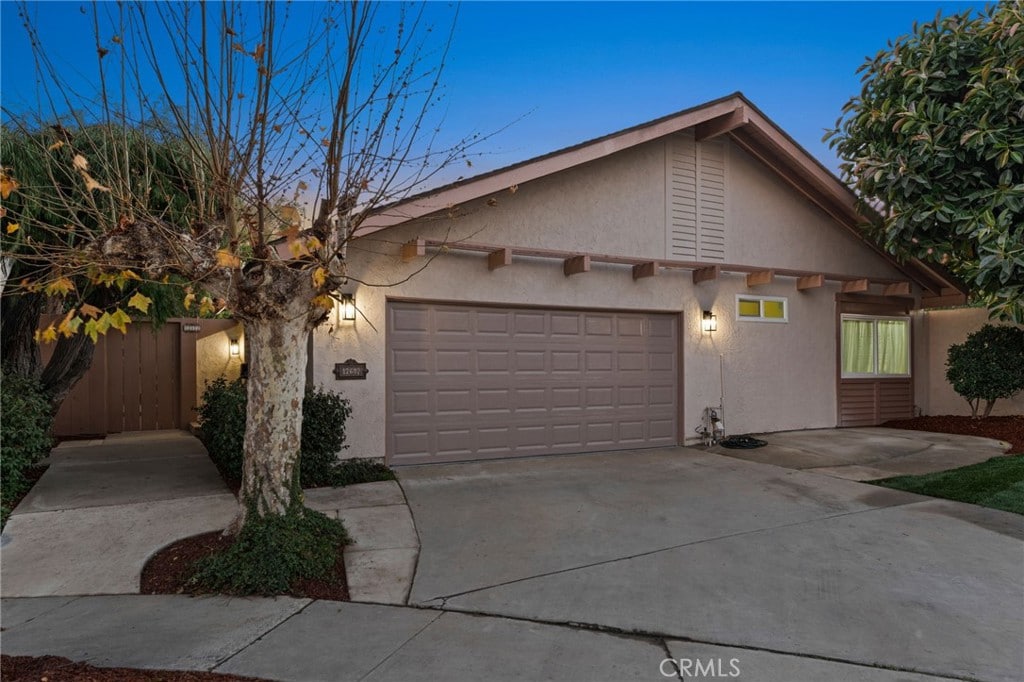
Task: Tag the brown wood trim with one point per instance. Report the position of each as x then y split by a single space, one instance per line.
897 289
680 378
945 301
855 285
412 250
810 282
499 258
665 264
642 270
705 274
756 279
575 265
721 124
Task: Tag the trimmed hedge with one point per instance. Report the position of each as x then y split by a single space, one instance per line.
324 414
24 435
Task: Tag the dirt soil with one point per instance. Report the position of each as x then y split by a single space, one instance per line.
1009 429
167 572
57 669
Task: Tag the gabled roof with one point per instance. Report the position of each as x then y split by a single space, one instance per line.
733 115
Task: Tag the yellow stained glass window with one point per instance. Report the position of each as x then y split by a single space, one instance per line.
775 310
748 308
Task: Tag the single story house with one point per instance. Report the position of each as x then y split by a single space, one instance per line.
602 297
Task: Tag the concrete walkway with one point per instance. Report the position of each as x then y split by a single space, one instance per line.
104 507
661 564
869 453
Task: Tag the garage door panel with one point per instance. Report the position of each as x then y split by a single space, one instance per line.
472 383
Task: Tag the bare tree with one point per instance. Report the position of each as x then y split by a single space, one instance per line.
328 106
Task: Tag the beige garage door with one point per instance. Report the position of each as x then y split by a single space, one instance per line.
467 382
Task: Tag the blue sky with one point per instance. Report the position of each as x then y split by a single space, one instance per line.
568 72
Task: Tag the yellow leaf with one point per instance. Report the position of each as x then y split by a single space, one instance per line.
313 244
226 259
190 298
106 279
7 185
49 335
120 320
55 146
89 310
38 335
13 227
140 302
319 277
298 249
103 323
91 330
68 327
60 287
206 306
80 162
130 274
324 301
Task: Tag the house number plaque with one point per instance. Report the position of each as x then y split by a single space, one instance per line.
350 369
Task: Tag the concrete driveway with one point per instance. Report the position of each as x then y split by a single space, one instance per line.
796 575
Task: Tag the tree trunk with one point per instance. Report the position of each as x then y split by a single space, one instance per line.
18 325
989 404
273 425
71 359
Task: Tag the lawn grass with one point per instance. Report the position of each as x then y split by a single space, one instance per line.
997 483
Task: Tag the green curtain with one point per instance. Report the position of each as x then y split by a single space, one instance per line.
893 347
858 347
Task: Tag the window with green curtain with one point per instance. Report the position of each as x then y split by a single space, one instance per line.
858 346
893 346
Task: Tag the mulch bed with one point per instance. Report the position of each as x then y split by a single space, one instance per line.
1009 429
167 572
58 669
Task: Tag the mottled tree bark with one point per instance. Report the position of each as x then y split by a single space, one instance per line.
273 425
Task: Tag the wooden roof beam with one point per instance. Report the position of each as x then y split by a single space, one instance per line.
810 282
705 274
648 269
721 124
854 285
761 277
413 249
499 258
897 289
574 265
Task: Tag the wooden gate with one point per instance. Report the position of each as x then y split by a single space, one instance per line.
135 383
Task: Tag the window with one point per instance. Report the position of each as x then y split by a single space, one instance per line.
875 346
762 309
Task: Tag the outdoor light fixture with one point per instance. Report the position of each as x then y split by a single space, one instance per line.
709 322
233 348
347 311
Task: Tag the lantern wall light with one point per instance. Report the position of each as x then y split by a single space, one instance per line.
347 308
708 322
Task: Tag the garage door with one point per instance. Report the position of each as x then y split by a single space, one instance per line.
469 382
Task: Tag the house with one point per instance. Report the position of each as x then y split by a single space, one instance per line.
564 304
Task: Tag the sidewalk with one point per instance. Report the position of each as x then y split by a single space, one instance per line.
104 507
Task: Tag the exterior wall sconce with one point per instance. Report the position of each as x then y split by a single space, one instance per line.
347 309
708 322
233 348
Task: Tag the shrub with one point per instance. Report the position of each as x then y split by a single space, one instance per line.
987 366
324 414
271 552
222 418
24 434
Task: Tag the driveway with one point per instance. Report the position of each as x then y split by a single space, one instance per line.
715 554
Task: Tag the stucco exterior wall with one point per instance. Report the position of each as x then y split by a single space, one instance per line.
941 329
776 376
214 360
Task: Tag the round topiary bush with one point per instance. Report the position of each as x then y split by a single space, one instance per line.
987 366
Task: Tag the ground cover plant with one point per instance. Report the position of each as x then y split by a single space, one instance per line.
24 437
